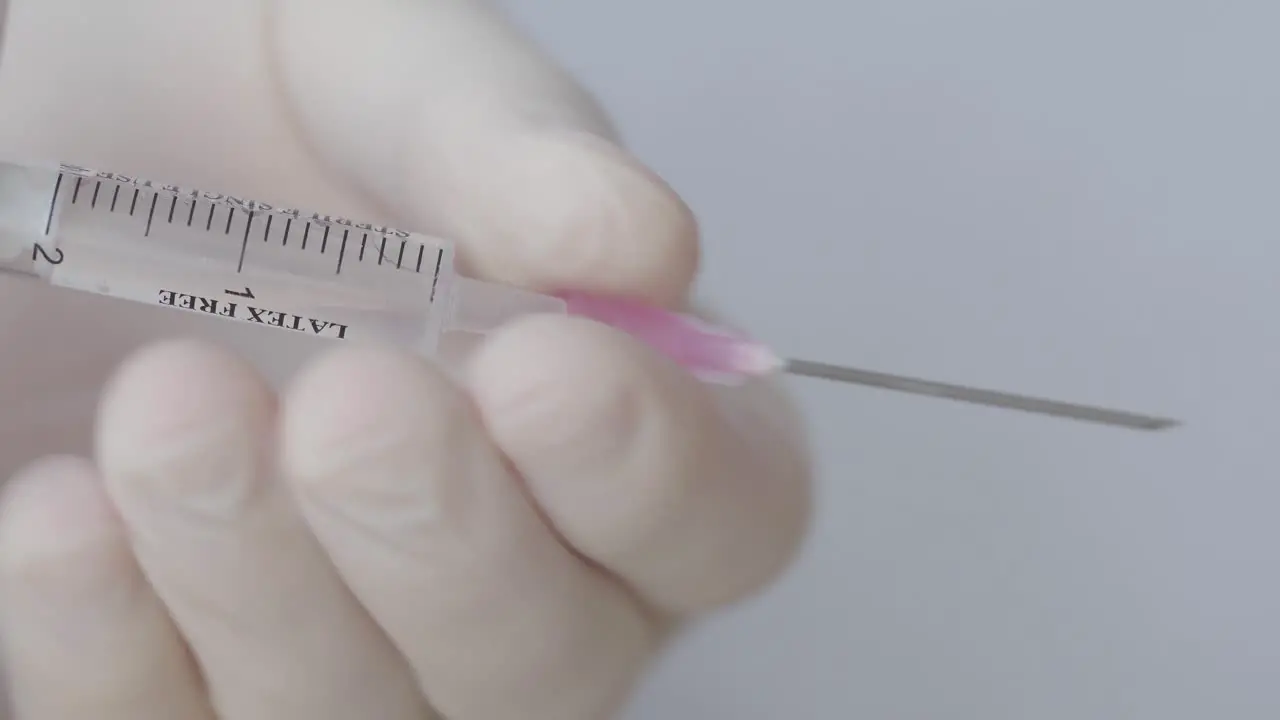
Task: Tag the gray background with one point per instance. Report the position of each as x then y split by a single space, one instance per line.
1075 198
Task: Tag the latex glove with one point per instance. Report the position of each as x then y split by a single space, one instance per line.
379 539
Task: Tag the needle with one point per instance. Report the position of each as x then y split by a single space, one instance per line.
899 383
52 226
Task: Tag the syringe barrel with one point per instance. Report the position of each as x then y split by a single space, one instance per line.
244 260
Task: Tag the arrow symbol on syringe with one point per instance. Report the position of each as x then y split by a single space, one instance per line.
246 294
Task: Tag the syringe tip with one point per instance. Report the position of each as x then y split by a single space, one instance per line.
700 347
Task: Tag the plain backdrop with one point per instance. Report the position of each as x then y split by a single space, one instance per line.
1074 198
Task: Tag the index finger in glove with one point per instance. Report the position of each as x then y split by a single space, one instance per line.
456 122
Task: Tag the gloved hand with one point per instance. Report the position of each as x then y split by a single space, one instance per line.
379 538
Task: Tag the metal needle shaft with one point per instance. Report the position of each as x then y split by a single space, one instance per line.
977 396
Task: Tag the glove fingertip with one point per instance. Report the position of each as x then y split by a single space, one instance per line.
556 391
556 211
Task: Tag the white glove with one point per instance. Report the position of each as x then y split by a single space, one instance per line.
379 539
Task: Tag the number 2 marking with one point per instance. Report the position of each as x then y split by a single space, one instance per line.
39 253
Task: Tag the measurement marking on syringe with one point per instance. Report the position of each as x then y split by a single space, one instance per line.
151 214
436 280
244 244
53 206
251 230
342 251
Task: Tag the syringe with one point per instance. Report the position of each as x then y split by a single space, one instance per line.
331 277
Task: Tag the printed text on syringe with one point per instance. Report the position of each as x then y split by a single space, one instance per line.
261 316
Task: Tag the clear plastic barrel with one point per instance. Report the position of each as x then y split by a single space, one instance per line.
243 260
